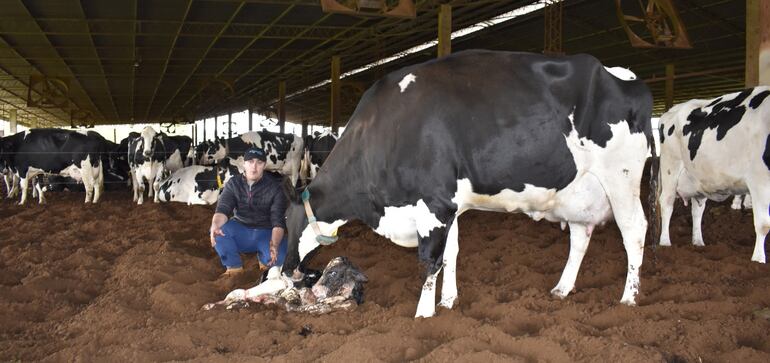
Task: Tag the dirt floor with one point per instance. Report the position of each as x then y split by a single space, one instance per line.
121 282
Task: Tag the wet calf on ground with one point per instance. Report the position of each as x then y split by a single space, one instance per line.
340 287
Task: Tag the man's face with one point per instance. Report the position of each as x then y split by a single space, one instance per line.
253 169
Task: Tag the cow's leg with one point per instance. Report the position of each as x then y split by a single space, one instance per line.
7 180
579 236
87 173
37 190
14 186
747 201
737 202
156 185
139 187
629 217
133 183
24 184
624 195
449 285
151 181
697 209
760 200
667 198
431 250
98 182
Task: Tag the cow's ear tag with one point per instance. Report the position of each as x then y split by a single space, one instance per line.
305 195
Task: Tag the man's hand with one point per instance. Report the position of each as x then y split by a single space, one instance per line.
215 231
273 253
217 221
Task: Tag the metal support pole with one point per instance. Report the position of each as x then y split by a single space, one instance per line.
282 105
335 96
669 86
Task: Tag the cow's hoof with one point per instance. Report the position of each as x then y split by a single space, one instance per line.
559 292
665 243
760 259
447 302
698 243
628 302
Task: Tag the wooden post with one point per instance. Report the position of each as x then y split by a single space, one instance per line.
115 135
335 96
669 86
304 129
282 105
757 43
204 129
444 31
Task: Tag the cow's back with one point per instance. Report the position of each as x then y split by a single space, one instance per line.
54 149
718 144
499 119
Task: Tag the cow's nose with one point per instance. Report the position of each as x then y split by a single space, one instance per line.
320 291
147 153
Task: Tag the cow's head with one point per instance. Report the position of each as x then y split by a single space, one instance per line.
303 240
147 141
341 278
210 152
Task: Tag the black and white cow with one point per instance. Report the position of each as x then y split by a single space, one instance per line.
196 184
284 151
713 149
68 153
149 153
558 138
317 149
8 145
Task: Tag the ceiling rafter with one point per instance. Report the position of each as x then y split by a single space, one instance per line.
99 61
203 57
165 64
72 74
241 51
4 43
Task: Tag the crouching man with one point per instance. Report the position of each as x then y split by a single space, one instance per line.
250 216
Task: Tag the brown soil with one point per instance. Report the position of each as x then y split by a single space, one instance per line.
121 282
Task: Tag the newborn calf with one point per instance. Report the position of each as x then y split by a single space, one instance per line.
340 287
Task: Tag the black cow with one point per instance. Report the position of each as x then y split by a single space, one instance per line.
55 151
317 149
559 138
284 151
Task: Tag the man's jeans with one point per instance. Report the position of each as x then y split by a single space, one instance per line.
241 239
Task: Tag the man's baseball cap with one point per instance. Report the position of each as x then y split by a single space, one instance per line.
255 153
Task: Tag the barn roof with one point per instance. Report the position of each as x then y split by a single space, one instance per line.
135 61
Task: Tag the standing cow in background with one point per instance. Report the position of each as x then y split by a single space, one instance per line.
145 157
713 149
558 138
317 149
150 154
284 151
64 152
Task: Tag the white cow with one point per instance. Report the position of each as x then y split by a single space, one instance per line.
713 149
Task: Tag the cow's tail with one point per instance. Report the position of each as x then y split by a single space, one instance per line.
652 197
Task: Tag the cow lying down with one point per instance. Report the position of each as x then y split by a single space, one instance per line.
340 287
